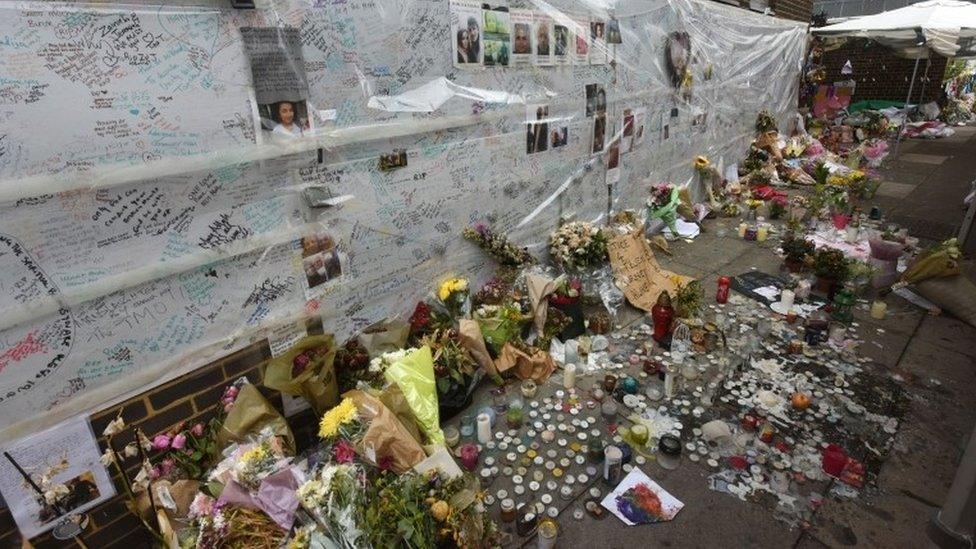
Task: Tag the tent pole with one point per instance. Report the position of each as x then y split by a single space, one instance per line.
908 98
925 79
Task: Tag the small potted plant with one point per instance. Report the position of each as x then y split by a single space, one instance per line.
688 299
831 268
797 252
886 246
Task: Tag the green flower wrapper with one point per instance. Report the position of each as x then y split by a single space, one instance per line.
414 375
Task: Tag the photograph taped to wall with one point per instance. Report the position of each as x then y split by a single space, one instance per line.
581 37
613 32
665 126
496 38
542 35
393 160
321 259
560 133
639 115
64 460
522 21
561 44
466 21
537 128
627 133
678 62
596 99
598 42
599 132
278 79
613 162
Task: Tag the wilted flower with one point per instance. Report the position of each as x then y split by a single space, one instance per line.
115 426
108 457
197 430
55 493
130 450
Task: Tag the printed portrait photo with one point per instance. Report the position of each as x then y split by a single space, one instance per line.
521 43
287 119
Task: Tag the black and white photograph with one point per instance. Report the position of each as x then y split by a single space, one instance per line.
599 132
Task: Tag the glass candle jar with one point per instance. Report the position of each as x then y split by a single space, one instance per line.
529 388
467 425
469 456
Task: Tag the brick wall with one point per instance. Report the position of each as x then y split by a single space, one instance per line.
797 10
192 397
882 75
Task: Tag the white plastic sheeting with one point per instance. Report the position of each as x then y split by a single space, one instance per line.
148 224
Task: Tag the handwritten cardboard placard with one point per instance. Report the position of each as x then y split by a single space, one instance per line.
638 273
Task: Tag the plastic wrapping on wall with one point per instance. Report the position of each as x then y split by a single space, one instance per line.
154 215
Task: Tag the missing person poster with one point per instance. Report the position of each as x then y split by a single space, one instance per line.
542 33
279 81
64 463
466 24
522 21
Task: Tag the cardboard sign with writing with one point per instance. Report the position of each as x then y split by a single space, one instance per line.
638 273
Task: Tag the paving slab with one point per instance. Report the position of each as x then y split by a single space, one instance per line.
708 520
949 333
892 520
896 190
921 158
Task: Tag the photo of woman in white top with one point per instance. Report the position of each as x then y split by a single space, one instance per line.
284 116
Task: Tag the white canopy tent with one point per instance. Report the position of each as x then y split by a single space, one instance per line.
947 27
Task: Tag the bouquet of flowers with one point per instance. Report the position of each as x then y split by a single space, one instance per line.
578 244
765 121
306 370
218 526
688 299
663 204
500 323
335 498
565 299
361 424
453 367
453 294
184 452
352 367
492 293
498 246
249 464
703 166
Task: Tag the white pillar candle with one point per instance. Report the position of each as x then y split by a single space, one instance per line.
569 376
786 299
484 428
669 385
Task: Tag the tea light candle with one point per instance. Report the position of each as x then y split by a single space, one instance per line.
786 299
569 376
484 428
742 230
878 309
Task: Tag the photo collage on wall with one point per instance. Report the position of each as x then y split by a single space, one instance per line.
490 34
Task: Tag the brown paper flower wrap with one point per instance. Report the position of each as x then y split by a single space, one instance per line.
250 414
385 438
384 337
307 370
537 366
